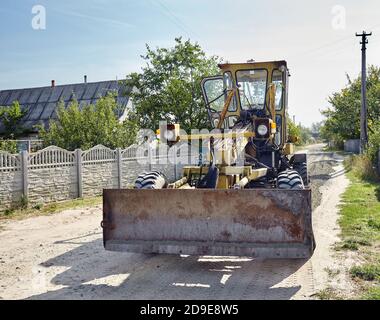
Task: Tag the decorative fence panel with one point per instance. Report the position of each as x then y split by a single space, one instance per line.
55 174
99 170
11 188
51 175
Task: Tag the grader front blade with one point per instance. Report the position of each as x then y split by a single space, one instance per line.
266 223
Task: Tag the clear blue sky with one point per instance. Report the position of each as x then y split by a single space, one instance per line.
104 40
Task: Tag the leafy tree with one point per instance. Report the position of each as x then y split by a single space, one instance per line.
316 129
168 88
10 117
343 116
302 133
88 126
374 144
8 145
293 129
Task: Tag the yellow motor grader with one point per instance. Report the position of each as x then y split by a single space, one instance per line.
250 194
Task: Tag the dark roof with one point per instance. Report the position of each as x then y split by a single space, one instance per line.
41 103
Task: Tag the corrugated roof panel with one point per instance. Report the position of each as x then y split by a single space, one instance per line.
67 92
29 124
24 98
26 107
93 101
56 94
36 111
41 103
54 114
122 101
33 98
45 95
48 111
79 91
4 96
102 89
113 85
91 89
14 96
84 102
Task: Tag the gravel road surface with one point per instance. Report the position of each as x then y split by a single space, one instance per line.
61 256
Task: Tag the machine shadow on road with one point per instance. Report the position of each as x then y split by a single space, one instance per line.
93 273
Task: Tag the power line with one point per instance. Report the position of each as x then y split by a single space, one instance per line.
167 12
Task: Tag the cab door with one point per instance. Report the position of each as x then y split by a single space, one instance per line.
215 91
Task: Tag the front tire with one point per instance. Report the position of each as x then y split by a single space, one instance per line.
301 168
151 180
290 179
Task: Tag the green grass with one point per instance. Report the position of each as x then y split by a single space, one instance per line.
360 230
368 272
21 212
360 212
372 294
328 294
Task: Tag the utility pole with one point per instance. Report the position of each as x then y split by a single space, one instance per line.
363 113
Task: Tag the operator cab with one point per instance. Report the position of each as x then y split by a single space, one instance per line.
249 83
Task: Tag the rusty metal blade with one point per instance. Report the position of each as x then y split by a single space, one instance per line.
253 222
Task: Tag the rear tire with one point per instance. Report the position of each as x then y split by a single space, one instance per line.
290 179
151 180
301 168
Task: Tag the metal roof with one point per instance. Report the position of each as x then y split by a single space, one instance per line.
41 103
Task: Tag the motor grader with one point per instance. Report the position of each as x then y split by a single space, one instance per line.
250 194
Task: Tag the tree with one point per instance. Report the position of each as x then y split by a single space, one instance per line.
316 129
8 145
302 133
89 126
10 117
168 88
343 116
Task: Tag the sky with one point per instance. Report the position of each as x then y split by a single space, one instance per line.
104 40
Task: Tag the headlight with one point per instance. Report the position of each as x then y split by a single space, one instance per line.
262 129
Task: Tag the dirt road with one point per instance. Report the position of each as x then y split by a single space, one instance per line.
62 257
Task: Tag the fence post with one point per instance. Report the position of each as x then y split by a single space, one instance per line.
78 156
150 156
175 162
119 168
24 164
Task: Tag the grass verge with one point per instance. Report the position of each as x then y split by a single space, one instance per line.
22 212
360 227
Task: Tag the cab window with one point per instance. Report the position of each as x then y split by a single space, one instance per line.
252 88
214 91
277 79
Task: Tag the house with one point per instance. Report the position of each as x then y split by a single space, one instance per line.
42 103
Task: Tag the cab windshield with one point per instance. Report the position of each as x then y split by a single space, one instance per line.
252 88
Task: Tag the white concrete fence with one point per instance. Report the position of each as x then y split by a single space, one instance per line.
55 174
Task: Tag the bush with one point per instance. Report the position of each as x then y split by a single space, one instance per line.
8 145
362 167
88 126
374 145
368 272
302 133
11 117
